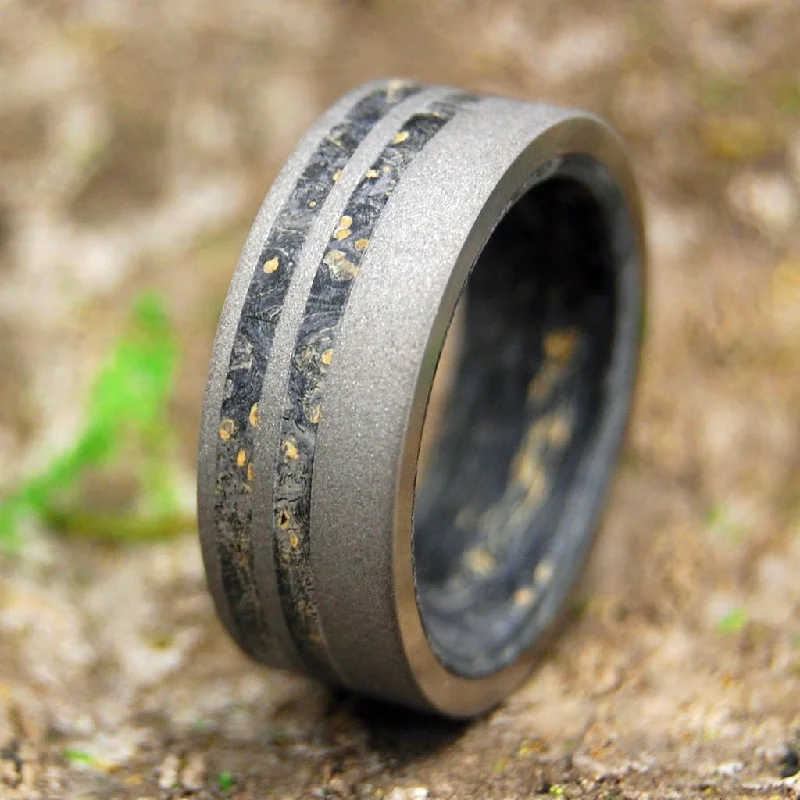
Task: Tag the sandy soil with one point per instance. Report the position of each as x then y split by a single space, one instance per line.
136 141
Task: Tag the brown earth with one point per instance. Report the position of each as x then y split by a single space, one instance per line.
136 141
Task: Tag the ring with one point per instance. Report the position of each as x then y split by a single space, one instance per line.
338 540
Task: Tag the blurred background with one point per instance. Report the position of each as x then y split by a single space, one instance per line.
137 140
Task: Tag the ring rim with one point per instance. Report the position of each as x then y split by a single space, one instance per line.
446 692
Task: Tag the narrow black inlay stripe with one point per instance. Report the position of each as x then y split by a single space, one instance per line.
315 350
252 348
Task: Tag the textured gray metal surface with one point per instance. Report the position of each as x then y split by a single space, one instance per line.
306 505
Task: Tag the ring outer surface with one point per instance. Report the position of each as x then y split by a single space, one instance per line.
422 247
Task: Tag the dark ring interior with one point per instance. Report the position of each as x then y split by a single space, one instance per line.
494 554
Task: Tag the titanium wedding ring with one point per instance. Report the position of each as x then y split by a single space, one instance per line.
328 550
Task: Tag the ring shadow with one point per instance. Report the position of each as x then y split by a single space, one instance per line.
401 736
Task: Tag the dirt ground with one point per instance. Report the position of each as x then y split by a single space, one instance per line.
136 142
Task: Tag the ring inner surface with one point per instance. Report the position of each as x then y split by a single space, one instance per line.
536 328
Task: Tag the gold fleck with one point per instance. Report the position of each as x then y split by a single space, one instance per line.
560 429
345 271
371 173
400 137
543 573
479 560
529 473
314 414
343 228
241 458
327 357
254 419
290 448
284 519
544 380
537 489
226 429
560 345
271 265
294 541
362 244
524 596
251 471
337 175
312 204
340 267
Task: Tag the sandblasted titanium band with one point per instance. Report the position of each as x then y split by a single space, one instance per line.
326 553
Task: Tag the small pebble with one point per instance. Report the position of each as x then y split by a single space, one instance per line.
589 766
767 200
731 769
415 793
338 786
194 773
168 772
9 773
